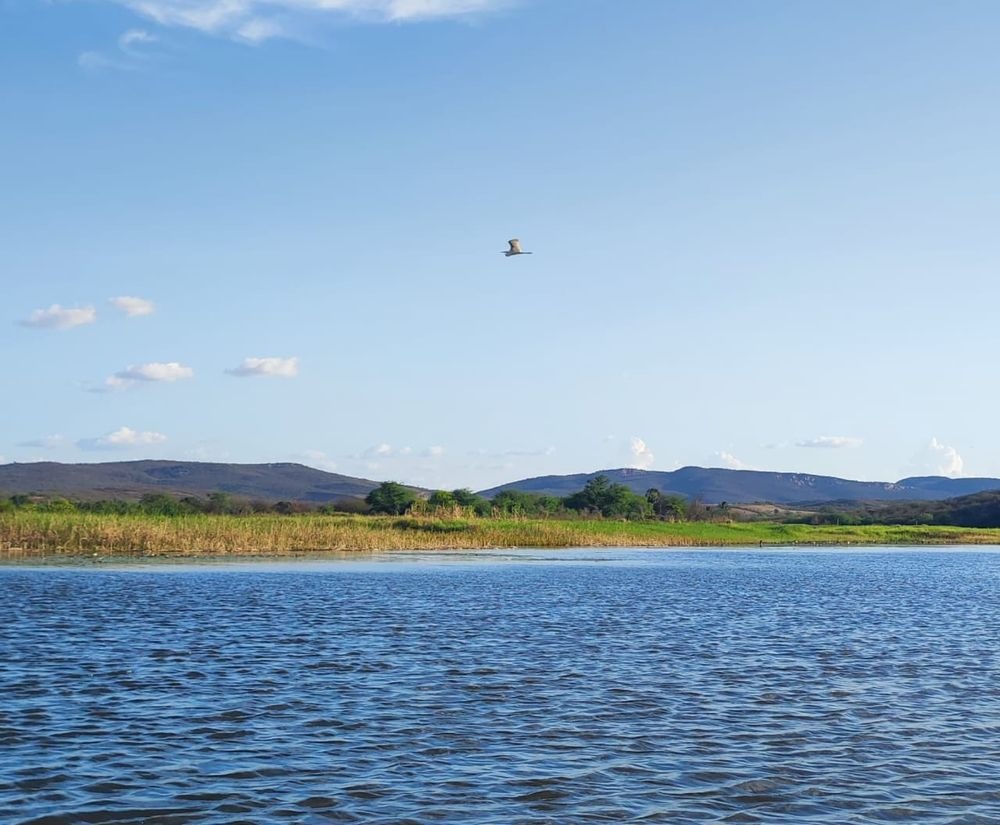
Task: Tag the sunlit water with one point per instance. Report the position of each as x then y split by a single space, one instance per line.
531 687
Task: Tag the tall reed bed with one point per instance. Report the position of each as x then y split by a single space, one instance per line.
29 534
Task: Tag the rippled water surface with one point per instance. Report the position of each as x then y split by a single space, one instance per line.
578 686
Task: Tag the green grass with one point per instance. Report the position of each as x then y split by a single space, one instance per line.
26 534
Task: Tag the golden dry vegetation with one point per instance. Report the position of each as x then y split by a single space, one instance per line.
27 534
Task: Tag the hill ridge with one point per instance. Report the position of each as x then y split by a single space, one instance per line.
713 485
132 479
275 481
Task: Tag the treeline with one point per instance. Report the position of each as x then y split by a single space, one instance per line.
161 504
600 498
976 510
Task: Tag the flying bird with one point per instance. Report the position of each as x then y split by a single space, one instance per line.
515 248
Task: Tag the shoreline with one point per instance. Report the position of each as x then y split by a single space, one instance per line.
26 536
321 557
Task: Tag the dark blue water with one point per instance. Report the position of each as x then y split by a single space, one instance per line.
579 686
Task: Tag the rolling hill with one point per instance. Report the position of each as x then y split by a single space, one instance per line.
130 480
713 486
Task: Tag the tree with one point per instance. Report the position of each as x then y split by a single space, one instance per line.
669 508
441 500
345 505
57 505
697 510
599 495
108 507
391 498
160 504
464 497
219 502
520 503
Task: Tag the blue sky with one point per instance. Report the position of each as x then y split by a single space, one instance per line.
764 235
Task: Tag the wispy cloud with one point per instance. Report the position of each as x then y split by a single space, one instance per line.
319 459
92 61
254 21
831 442
128 56
49 442
58 317
208 451
412 463
124 438
380 451
642 457
271 367
385 450
257 30
130 40
132 306
528 453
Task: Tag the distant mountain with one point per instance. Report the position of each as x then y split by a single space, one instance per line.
295 482
713 486
129 480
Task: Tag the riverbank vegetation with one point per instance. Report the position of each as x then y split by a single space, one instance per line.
393 517
32 533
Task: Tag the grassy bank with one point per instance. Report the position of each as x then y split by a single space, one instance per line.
32 534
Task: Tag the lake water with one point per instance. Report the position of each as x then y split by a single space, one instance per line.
516 687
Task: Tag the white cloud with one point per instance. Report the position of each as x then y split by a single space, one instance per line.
940 459
132 306
273 367
123 438
433 452
731 462
642 456
831 442
49 442
57 317
155 372
254 21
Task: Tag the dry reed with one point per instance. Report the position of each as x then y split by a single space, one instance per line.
27 534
